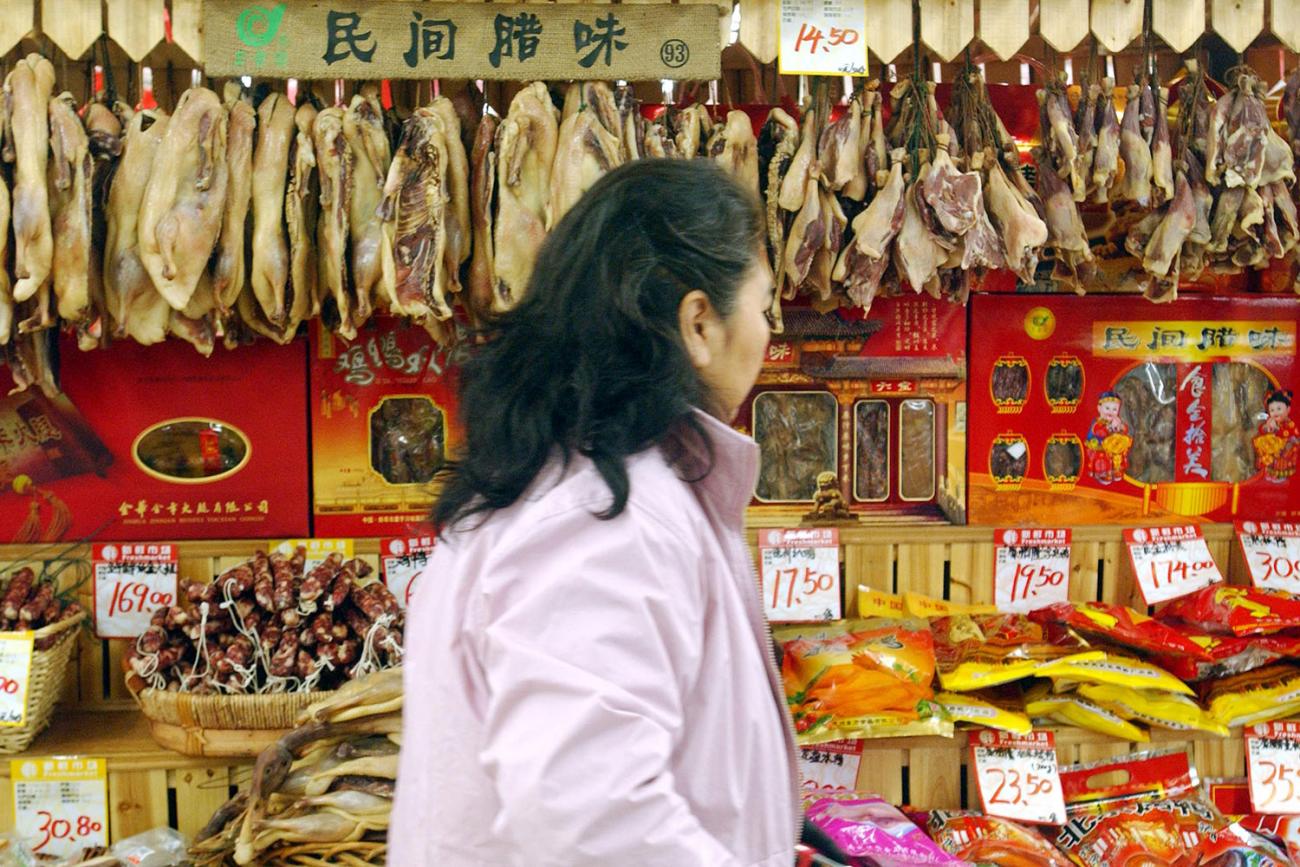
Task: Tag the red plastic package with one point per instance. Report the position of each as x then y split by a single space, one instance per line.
1230 655
1224 609
984 839
1237 846
1119 625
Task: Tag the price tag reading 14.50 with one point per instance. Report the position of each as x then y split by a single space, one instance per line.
1031 569
800 573
1017 776
1272 552
1170 562
1273 765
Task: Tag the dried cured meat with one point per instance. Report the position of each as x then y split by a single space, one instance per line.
796 437
871 478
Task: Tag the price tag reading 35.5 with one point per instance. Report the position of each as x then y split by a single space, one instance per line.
1273 765
1031 569
131 582
1170 562
1017 776
832 765
800 573
1272 552
403 560
61 803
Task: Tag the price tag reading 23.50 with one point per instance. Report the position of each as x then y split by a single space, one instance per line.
1273 765
1017 776
1031 569
800 573
131 582
1170 562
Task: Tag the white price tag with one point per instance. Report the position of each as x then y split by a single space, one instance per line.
1031 569
832 765
15 672
1273 767
1272 552
1017 776
318 550
823 37
131 583
403 560
1170 562
800 574
61 803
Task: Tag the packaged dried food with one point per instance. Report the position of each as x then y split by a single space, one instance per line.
984 839
871 426
1118 670
1071 709
1161 709
1236 846
962 707
1119 625
860 679
1062 459
871 829
974 652
1009 459
1268 693
796 433
916 464
1230 655
1224 609
1153 775
1064 383
1009 381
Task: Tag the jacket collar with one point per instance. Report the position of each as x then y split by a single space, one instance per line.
727 485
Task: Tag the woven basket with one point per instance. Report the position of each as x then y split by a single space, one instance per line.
44 684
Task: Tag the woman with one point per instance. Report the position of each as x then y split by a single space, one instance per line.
589 676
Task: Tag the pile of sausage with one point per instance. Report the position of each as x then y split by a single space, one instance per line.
30 603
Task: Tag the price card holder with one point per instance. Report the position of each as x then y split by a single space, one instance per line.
132 581
1170 562
800 574
318 550
1273 767
832 765
15 674
1017 776
823 37
1272 553
403 560
60 803
1031 569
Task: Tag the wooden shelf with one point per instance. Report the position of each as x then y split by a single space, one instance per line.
1066 737
121 736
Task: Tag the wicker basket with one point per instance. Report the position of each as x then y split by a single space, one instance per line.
45 682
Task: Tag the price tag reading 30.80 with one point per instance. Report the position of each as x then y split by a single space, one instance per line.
800 572
1031 569
61 803
1273 765
1170 562
1017 776
1272 552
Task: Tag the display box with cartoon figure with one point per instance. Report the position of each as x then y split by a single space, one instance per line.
864 412
1110 410
383 424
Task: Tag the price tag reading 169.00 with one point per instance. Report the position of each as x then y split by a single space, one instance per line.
1031 569
132 581
1170 562
1273 765
1017 776
800 573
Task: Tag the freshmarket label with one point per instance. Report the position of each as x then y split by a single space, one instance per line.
131 583
823 37
403 560
832 765
1273 767
1272 552
800 574
1031 569
1170 562
61 803
1017 776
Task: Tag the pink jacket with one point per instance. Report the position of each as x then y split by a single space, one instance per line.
584 692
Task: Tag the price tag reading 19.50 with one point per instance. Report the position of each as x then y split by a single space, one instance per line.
1170 562
1031 569
131 582
800 572
1017 776
1273 765
1272 552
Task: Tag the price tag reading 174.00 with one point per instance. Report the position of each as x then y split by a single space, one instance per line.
1017 776
1031 569
800 573
132 581
1272 552
1273 765
1170 562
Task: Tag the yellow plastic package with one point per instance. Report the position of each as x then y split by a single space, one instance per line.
1162 709
1117 670
1074 710
969 709
1268 693
979 651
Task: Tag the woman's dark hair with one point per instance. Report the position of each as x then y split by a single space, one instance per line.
591 360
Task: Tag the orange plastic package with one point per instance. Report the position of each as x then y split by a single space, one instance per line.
860 679
984 839
1224 609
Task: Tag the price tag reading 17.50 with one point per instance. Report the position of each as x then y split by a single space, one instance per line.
131 582
1170 562
1017 776
61 803
1273 765
1031 569
1272 552
800 573
403 560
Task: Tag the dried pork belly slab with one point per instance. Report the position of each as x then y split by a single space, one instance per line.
796 434
1010 382
1063 460
1009 460
1064 382
1149 396
1238 392
871 451
916 449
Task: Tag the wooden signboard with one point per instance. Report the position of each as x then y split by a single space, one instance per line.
347 39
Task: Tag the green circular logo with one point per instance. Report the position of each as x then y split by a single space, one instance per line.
257 26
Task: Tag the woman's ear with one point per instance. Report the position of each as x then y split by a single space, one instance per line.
696 318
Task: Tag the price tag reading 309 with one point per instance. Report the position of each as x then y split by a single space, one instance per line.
1017 776
131 582
1031 569
800 573
1272 552
1170 562
1273 766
